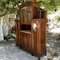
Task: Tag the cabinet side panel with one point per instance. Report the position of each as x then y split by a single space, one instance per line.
43 36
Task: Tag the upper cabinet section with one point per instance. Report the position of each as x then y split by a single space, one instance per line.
26 15
29 11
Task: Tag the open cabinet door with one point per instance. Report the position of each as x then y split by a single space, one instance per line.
39 36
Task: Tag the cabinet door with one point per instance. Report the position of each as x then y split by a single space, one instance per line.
36 35
28 15
22 16
29 42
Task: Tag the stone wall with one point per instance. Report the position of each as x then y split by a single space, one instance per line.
9 19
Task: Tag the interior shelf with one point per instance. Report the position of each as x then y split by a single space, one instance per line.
23 31
25 23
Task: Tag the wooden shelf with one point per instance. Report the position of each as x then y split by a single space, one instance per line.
25 23
23 31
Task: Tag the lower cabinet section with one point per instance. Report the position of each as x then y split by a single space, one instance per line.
26 41
33 40
31 45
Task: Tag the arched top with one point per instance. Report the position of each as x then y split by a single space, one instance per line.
29 3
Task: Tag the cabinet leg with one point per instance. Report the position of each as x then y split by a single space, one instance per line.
38 58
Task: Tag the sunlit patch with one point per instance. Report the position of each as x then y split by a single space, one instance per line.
56 30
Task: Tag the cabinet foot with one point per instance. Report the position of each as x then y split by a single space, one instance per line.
38 58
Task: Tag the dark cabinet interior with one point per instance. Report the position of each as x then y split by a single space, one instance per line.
25 27
31 31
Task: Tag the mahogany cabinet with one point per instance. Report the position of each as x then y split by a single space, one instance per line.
31 28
